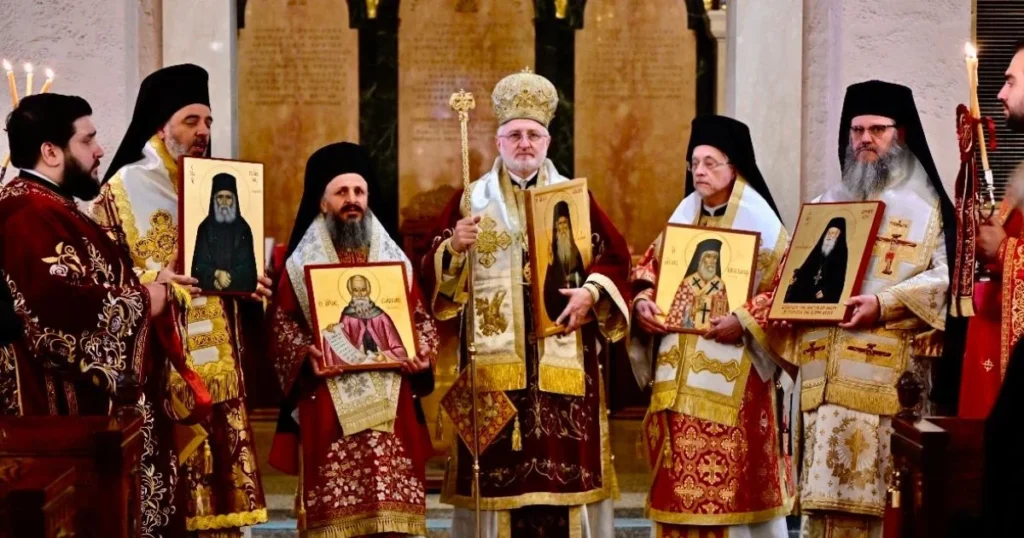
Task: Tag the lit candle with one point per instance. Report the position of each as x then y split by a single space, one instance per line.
11 82
971 57
49 81
28 79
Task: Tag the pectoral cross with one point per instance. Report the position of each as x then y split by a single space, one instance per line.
869 351
813 349
817 277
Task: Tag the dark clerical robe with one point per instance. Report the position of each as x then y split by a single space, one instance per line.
356 481
93 358
228 247
221 487
550 466
821 278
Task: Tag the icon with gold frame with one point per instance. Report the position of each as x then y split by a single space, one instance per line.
558 224
362 315
827 259
705 273
220 228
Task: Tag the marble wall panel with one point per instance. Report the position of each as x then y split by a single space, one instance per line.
298 90
636 69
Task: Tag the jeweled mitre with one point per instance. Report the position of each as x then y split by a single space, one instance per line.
524 95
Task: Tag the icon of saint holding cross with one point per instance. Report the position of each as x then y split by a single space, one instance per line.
701 295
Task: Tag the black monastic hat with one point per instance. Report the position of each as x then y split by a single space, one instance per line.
879 98
161 94
224 182
324 165
731 137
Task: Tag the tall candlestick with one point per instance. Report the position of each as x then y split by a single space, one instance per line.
972 79
28 79
49 81
11 83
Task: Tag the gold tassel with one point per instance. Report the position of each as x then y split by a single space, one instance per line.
439 426
517 438
300 505
181 296
207 458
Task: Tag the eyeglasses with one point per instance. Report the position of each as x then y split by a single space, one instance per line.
709 164
518 136
874 130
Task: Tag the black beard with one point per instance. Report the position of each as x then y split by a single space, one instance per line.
77 180
1015 121
350 234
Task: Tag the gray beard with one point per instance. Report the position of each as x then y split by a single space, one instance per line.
174 148
226 215
565 254
706 273
827 246
864 179
350 235
361 305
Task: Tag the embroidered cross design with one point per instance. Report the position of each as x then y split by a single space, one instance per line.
714 286
161 239
711 469
897 249
988 365
489 241
696 282
869 351
813 350
857 444
704 311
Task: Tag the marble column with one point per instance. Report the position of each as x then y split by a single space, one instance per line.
94 48
918 44
718 28
205 33
764 90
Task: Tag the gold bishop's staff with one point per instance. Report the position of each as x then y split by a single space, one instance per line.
462 102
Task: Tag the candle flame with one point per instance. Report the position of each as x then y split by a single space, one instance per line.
49 73
970 51
28 67
7 65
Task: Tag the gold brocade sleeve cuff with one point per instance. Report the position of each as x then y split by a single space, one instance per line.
890 308
449 289
611 309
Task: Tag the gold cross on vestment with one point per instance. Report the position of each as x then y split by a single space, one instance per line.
856 443
711 468
489 241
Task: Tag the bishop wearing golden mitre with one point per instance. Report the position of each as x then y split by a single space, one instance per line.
546 468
